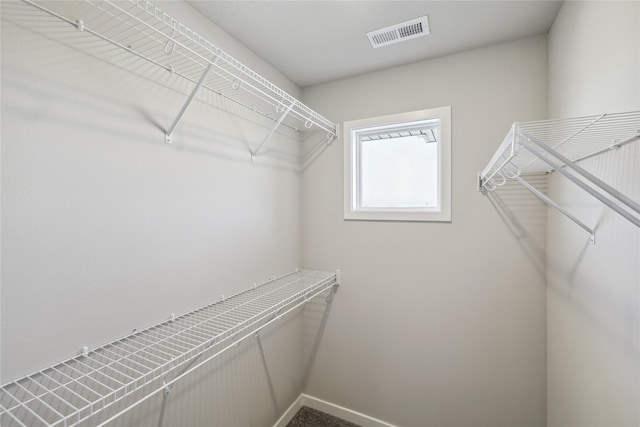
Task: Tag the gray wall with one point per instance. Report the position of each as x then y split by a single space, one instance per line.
105 228
593 298
436 324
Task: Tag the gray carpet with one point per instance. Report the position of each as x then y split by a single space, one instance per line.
307 417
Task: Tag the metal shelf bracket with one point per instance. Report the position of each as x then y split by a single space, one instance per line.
550 202
273 129
169 134
619 199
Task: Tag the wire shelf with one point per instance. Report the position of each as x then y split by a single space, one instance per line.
147 32
151 360
575 139
557 145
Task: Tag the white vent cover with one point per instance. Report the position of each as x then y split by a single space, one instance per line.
400 32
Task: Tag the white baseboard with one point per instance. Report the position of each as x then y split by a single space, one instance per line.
331 409
289 413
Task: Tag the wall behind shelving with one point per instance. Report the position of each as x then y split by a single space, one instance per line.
593 297
437 323
105 228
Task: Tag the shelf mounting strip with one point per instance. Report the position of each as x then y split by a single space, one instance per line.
150 361
147 32
557 145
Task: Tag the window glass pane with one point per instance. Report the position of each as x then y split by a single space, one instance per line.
398 167
399 173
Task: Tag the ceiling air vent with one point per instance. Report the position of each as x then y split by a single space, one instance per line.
400 32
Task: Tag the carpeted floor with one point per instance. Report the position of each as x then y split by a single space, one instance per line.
307 417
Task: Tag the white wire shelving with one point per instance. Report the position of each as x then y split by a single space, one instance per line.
148 33
558 145
150 361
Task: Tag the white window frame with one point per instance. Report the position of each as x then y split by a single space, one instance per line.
351 164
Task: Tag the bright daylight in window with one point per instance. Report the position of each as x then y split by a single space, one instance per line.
398 167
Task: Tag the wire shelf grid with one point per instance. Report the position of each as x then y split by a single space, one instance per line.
558 145
575 139
146 31
74 390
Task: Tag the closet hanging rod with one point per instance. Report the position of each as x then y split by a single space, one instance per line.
137 366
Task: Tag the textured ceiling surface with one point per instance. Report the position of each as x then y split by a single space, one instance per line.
313 42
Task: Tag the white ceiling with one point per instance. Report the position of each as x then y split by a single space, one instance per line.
314 42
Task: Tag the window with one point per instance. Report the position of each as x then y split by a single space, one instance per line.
398 167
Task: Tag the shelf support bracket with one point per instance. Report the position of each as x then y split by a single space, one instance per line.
553 204
635 219
270 134
169 134
332 294
334 288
